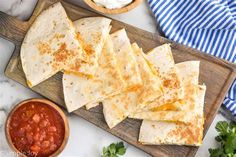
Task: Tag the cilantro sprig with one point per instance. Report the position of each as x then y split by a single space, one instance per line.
227 139
114 150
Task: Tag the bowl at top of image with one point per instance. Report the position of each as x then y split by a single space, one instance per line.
103 9
37 128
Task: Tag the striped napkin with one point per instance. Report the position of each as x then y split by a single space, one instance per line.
206 25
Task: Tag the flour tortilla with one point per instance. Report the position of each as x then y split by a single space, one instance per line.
189 72
152 87
126 62
161 62
92 32
126 59
50 45
118 107
156 133
82 90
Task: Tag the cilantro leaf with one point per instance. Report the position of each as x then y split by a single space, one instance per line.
221 138
105 152
227 139
232 126
121 151
222 127
114 150
120 145
230 144
216 152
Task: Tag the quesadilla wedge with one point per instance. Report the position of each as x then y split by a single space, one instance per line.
155 133
81 90
91 32
50 46
126 62
126 59
162 63
188 72
152 87
118 107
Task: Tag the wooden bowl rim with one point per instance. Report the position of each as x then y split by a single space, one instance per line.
47 102
124 9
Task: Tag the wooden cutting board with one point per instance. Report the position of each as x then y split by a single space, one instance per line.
217 74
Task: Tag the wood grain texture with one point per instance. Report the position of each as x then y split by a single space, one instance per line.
216 73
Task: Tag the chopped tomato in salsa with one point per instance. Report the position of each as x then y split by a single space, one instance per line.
36 129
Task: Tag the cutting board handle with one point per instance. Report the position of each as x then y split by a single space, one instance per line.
12 29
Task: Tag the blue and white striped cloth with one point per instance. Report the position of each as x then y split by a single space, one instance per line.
207 25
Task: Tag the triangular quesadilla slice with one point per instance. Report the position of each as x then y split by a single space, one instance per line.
118 107
91 32
188 72
152 87
156 133
126 59
161 62
81 90
50 45
126 62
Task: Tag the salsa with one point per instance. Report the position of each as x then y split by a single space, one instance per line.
36 129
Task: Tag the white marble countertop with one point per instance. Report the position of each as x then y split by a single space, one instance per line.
86 140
